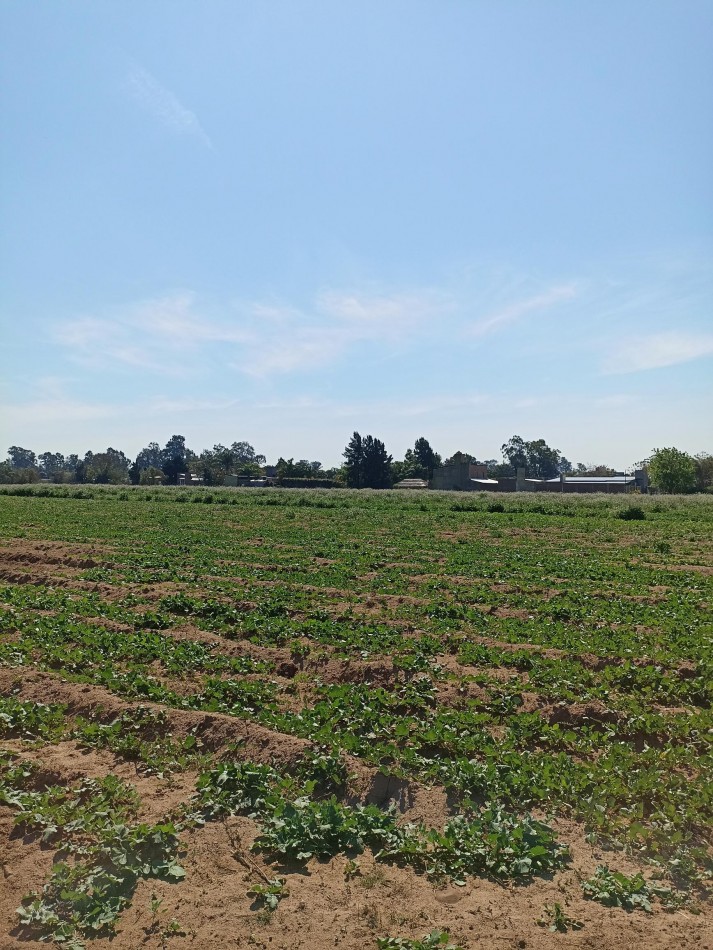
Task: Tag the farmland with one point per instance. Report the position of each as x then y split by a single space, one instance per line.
313 719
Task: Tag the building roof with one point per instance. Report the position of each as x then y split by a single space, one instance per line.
485 481
412 483
596 479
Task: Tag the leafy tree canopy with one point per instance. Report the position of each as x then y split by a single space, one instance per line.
303 469
459 457
536 457
599 470
704 471
51 463
672 471
367 463
426 457
21 458
110 467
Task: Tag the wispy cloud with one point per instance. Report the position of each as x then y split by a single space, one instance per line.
335 323
163 105
520 308
385 310
161 335
315 408
59 411
166 335
661 349
180 335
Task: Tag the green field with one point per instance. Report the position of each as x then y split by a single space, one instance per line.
446 688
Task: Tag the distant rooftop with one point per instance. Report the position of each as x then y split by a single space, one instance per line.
596 479
412 483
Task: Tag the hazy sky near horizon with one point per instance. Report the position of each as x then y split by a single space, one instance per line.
281 222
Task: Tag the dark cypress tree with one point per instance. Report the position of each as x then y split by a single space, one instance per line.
426 457
354 464
377 464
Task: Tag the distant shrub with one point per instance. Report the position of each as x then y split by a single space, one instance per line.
496 506
632 513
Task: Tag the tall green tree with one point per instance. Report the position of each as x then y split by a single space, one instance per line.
21 458
16 476
106 468
515 453
149 457
376 464
51 464
426 457
704 471
354 461
458 458
367 463
288 468
240 458
536 457
672 471
173 458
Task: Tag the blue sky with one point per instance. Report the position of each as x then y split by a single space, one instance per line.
281 222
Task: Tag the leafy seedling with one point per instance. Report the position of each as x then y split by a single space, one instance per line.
555 918
270 894
617 890
436 940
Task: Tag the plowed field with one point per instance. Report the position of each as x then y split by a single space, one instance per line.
280 719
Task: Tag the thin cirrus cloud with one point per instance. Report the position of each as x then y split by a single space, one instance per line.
388 310
661 349
168 334
521 308
335 324
163 105
162 334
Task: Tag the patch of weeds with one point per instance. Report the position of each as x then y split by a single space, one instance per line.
436 939
375 877
141 735
632 513
160 928
617 890
269 894
85 898
324 767
28 720
104 856
492 843
305 828
235 788
556 919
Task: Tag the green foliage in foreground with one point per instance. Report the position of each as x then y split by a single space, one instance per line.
537 653
297 827
557 920
30 720
270 893
105 853
141 735
615 889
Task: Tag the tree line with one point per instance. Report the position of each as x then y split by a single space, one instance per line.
367 464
